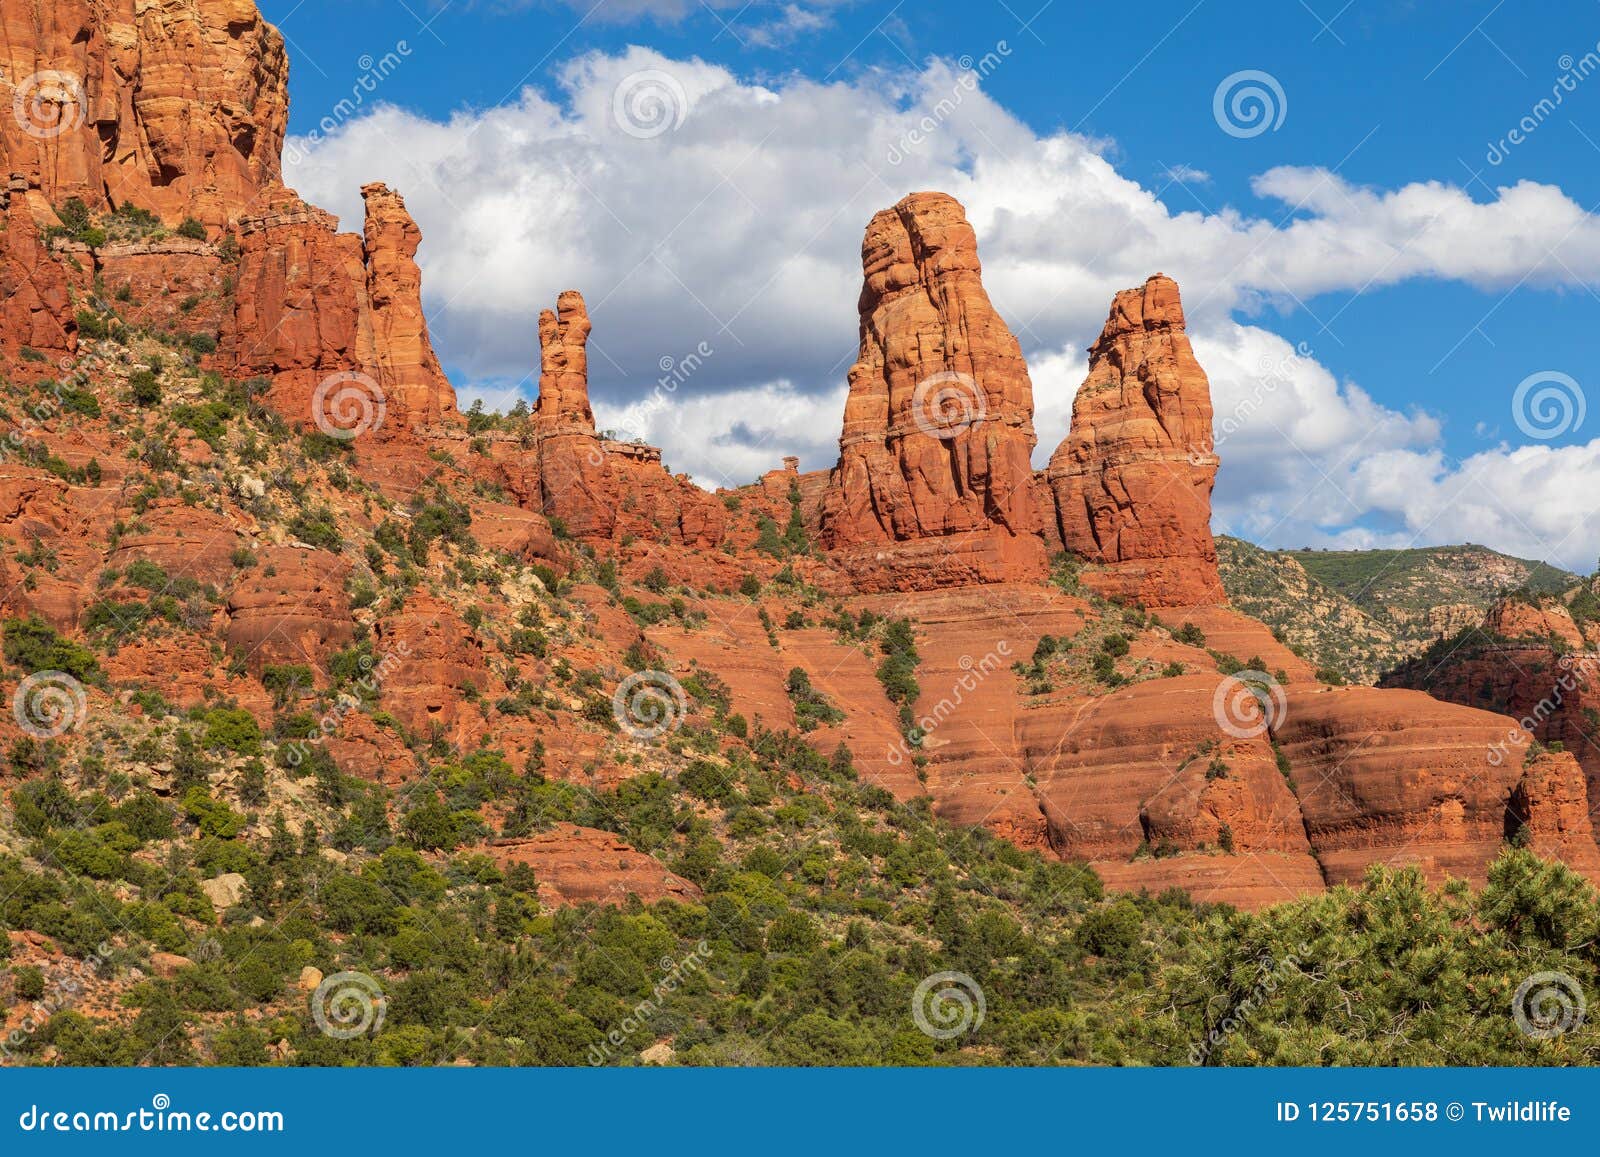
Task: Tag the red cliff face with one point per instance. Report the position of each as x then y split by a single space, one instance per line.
35 298
175 106
934 485
1133 480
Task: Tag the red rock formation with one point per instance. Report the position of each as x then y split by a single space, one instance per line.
581 865
35 300
1528 662
290 608
438 663
176 106
335 320
1396 777
1550 807
173 283
407 368
1516 619
934 485
1133 479
574 481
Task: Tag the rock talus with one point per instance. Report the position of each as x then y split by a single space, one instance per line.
1132 481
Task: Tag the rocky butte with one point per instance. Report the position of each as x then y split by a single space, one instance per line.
525 567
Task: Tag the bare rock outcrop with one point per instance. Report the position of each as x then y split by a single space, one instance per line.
1133 479
934 485
334 320
175 106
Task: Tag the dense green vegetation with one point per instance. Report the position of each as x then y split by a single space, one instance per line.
1367 575
824 907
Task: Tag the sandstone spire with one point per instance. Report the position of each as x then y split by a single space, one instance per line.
574 481
408 369
564 365
1132 481
938 425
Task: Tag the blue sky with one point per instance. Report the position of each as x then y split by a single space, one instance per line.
1395 424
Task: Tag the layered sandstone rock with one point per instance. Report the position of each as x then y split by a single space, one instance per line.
436 663
934 485
1396 777
335 320
1529 662
407 368
290 608
1517 619
1132 481
174 283
1550 812
576 865
595 488
35 295
175 106
574 481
